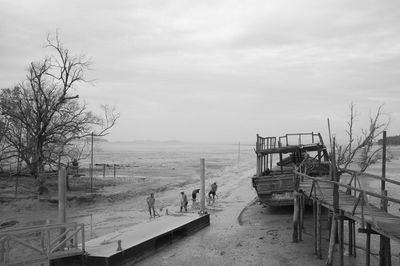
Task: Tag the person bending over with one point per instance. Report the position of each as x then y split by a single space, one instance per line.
194 194
213 190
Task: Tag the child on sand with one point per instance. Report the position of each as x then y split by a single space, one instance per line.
150 203
184 201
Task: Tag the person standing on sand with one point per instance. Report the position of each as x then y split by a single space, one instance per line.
184 201
150 203
213 190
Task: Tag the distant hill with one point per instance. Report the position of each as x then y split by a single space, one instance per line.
393 140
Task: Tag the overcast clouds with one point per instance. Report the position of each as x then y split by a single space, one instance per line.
215 70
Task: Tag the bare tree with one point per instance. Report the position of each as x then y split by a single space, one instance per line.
48 110
360 150
6 151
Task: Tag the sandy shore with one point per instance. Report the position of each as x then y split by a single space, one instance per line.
242 232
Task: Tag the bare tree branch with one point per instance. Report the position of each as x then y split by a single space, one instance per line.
362 151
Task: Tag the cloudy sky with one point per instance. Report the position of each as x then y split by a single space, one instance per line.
219 70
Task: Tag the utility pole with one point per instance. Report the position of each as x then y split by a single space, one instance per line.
239 153
62 199
202 186
91 165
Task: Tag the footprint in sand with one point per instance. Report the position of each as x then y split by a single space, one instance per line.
274 235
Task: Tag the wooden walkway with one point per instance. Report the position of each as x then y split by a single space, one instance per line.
346 199
364 213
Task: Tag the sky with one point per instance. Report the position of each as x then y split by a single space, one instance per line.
219 70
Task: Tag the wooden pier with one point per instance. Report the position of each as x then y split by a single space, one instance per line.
134 243
345 198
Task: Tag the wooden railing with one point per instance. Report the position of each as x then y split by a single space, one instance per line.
353 187
313 138
42 243
265 143
287 140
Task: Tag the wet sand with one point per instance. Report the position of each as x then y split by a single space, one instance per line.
242 232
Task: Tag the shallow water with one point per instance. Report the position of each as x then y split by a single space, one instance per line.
164 160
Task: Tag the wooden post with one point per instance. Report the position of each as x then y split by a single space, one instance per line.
384 242
271 157
388 254
104 170
368 246
2 251
296 209
341 240
354 239
301 199
385 257
329 223
202 186
332 243
62 199
362 209
315 225
296 206
266 162
350 231
334 177
383 164
319 231
114 171
62 184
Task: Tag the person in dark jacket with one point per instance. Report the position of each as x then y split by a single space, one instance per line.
194 194
184 201
150 203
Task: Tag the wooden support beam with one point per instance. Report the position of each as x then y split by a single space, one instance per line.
319 231
350 231
354 238
368 246
296 205
385 258
388 254
315 225
331 249
329 223
341 240
62 199
301 216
